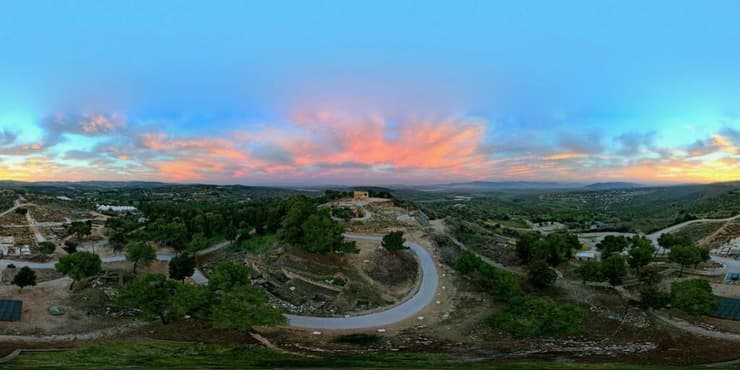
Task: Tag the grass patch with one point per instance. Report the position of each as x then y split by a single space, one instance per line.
257 245
159 355
696 232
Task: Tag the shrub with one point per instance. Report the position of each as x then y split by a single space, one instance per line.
531 317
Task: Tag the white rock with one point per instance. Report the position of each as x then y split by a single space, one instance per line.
438 302
316 333
292 288
420 318
381 330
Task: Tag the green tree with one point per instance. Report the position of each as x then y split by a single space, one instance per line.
668 240
694 296
47 247
532 317
152 294
590 271
244 307
80 229
499 283
228 275
541 275
614 269
612 244
684 256
299 210
140 253
556 248
652 297
193 300
198 242
525 245
393 241
78 266
640 256
467 262
323 235
117 241
176 235
182 266
24 277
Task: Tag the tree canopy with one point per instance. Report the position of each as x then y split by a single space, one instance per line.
24 277
393 241
693 296
152 294
541 275
79 266
243 307
140 253
182 266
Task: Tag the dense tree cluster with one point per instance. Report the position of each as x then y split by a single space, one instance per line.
229 301
499 283
555 248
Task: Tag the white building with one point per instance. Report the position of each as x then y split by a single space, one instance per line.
117 209
588 256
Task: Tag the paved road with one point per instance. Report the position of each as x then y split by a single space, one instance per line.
732 265
198 276
423 297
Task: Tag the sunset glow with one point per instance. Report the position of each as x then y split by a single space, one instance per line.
222 94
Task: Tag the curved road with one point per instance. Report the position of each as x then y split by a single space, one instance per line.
423 297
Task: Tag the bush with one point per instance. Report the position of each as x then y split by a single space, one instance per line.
531 317
468 262
694 297
541 275
652 297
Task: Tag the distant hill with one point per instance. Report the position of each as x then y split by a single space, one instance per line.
493 185
613 185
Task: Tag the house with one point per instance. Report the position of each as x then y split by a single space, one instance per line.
588 256
598 225
6 242
361 196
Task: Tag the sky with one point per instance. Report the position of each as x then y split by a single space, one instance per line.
370 92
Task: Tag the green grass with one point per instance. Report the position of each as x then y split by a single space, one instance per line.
257 245
698 231
202 356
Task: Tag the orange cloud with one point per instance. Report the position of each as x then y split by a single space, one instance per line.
562 156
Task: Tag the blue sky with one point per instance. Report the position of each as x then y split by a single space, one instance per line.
295 92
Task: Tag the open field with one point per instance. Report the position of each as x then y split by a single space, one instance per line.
203 356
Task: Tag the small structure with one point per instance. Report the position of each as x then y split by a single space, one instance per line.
588 256
10 310
116 209
6 242
361 196
64 198
732 277
598 225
